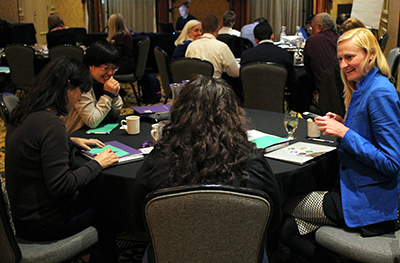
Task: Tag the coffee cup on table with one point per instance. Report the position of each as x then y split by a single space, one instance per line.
312 129
156 130
131 124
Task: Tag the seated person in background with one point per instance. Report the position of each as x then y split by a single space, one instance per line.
350 23
213 50
185 16
247 30
103 100
320 49
228 22
121 38
47 197
266 51
58 33
367 198
340 19
191 31
205 144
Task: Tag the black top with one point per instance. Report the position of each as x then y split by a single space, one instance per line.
61 37
153 176
180 23
38 160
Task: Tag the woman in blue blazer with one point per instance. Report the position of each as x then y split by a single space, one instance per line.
366 198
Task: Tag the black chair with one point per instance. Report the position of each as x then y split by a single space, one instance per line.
187 68
264 86
236 44
7 104
393 62
69 51
20 59
143 51
163 68
81 35
383 41
14 249
207 223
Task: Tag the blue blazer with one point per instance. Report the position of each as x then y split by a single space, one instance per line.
370 153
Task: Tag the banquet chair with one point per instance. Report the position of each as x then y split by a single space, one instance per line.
207 223
393 62
187 68
14 249
162 61
383 41
143 51
81 35
69 51
7 104
236 44
264 86
20 59
351 245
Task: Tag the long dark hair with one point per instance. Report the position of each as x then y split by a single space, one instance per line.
50 89
205 140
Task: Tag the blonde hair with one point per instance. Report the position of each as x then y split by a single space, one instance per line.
184 34
364 39
116 25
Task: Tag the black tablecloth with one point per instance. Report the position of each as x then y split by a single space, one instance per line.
318 174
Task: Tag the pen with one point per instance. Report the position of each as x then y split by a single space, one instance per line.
320 140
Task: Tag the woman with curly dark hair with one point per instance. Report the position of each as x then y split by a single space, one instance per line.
205 142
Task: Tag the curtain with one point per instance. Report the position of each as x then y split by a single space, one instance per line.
279 13
95 16
242 11
139 14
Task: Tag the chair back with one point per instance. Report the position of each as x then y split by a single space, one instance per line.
393 62
9 250
236 44
7 104
383 41
264 86
207 223
163 68
21 59
81 35
69 51
187 68
143 52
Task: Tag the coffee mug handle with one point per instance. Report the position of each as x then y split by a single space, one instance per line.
124 124
154 134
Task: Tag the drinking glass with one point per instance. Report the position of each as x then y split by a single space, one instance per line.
175 88
291 122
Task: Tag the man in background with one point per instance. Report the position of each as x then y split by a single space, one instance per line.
213 50
185 16
228 22
247 30
320 49
266 51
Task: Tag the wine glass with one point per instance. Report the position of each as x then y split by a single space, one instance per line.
291 122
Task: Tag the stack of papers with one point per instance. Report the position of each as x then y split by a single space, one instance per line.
300 152
146 110
267 141
103 129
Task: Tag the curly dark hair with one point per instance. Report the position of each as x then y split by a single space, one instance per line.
205 140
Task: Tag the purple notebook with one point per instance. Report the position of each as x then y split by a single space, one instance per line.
125 153
146 110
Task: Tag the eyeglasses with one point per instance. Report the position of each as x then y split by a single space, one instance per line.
107 68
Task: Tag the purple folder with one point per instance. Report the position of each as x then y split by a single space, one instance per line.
146 110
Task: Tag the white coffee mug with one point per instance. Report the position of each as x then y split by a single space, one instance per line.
155 131
312 129
131 124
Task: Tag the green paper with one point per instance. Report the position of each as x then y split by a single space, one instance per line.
103 129
117 151
266 141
